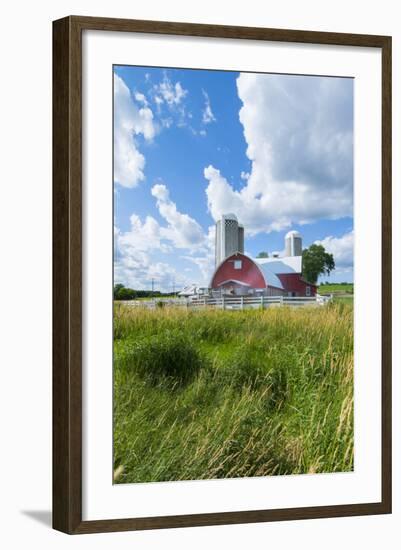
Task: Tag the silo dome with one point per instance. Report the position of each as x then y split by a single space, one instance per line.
294 233
230 216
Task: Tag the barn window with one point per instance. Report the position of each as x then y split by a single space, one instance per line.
308 290
237 264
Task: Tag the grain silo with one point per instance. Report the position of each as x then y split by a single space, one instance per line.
227 237
293 244
241 238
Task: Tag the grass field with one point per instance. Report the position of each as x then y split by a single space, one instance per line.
216 394
338 288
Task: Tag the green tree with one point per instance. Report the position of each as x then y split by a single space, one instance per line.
315 262
117 288
262 255
122 293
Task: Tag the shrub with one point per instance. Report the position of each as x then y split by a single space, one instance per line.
169 357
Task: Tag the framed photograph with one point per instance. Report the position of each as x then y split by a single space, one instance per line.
222 275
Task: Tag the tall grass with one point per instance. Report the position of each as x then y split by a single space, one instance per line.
215 394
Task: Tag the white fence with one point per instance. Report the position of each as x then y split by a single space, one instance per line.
233 302
243 302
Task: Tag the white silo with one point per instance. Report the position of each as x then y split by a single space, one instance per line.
227 237
293 244
241 238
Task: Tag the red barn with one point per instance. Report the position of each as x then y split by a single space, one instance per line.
241 275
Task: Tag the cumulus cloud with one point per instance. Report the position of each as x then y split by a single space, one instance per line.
141 98
130 120
138 251
299 135
160 192
137 271
207 114
182 230
137 256
342 249
143 236
203 256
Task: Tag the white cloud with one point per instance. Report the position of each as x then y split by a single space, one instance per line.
166 122
169 97
144 236
342 249
207 115
137 271
204 256
138 251
299 138
169 93
137 257
129 121
182 230
160 192
141 98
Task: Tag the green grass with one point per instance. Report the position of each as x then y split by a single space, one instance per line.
344 299
338 288
155 298
217 394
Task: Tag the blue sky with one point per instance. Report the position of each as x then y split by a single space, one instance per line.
190 145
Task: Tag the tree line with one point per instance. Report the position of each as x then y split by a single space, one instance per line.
123 293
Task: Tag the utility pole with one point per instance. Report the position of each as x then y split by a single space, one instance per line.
173 287
153 286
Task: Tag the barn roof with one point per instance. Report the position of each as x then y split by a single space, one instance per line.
270 277
269 267
288 264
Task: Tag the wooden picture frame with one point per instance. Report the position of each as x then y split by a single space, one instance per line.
67 273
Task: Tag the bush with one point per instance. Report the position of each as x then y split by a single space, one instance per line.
169 357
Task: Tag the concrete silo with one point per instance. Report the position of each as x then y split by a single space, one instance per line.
229 237
241 238
293 244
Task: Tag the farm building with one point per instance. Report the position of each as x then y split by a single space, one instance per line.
240 275
192 290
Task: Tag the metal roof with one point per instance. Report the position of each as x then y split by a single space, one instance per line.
189 290
270 277
270 268
288 264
